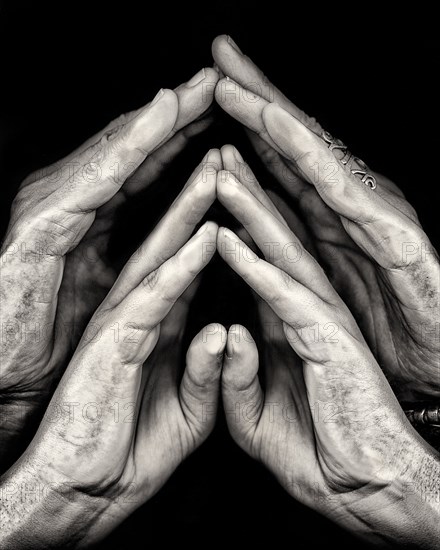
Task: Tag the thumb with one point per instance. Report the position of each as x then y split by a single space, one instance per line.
199 389
243 397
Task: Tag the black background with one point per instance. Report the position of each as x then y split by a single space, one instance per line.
70 67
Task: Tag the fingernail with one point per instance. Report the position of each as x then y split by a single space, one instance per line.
202 229
196 79
234 45
209 163
227 233
237 156
157 97
229 351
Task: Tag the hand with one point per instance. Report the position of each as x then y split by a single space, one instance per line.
120 422
55 268
327 423
370 242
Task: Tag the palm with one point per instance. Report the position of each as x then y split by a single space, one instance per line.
167 429
278 430
164 433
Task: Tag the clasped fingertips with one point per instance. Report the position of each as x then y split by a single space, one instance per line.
196 79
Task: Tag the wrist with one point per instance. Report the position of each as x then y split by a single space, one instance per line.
29 503
402 511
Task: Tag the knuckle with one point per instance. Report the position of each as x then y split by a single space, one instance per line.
98 154
403 248
167 296
286 281
152 279
162 289
109 142
23 198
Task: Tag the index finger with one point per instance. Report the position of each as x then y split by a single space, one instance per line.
243 70
194 98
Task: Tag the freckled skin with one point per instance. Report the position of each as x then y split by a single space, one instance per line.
55 269
370 242
87 487
349 441
392 332
120 420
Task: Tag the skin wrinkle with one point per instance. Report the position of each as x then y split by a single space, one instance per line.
385 188
360 314
341 388
35 197
188 441
357 459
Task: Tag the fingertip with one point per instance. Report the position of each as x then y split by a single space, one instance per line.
165 106
219 44
227 185
214 336
241 358
205 353
224 45
213 160
226 150
225 235
153 123
200 386
168 100
227 91
211 77
237 333
170 96
221 241
231 157
208 230
203 181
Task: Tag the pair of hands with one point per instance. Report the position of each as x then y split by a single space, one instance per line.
94 467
